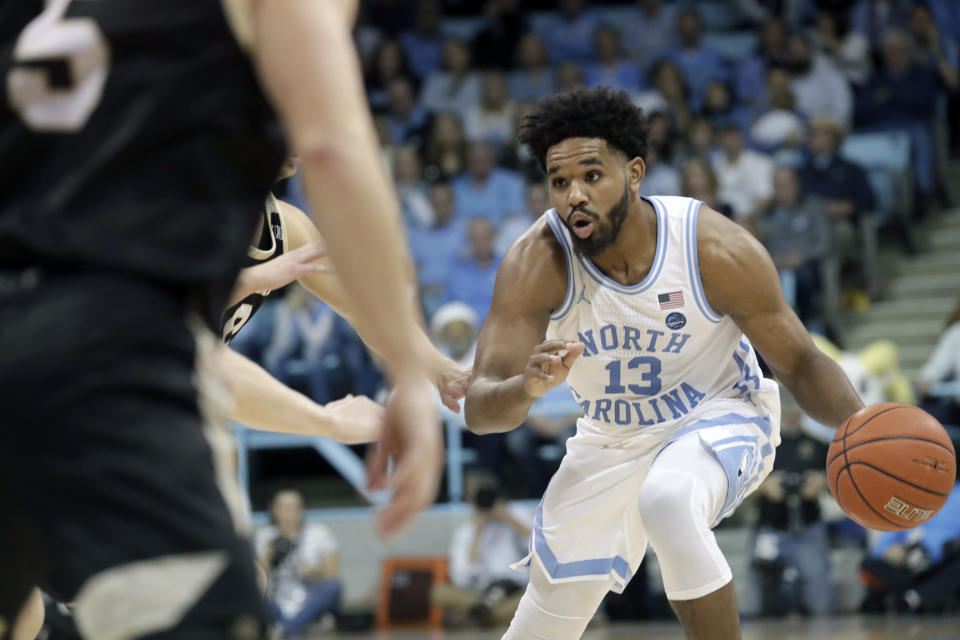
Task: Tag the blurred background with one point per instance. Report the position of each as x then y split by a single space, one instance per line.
828 128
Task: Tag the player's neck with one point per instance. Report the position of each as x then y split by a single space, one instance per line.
628 260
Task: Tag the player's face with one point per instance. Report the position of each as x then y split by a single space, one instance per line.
591 188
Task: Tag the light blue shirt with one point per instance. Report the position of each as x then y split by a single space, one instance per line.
472 284
530 88
571 39
623 75
424 54
700 67
435 249
501 194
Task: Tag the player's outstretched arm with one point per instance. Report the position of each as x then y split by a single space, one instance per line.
279 272
514 365
449 377
264 403
740 280
308 65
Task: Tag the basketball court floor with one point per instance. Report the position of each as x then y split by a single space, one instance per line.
844 628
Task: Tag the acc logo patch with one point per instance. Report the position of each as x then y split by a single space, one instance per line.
676 320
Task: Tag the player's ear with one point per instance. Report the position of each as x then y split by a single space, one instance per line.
636 170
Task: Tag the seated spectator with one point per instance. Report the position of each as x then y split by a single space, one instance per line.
818 88
516 156
660 135
568 76
533 78
846 49
411 190
407 123
454 328
699 142
424 43
720 108
504 27
791 551
698 181
492 118
661 178
943 364
648 32
872 18
699 64
745 176
446 152
901 94
611 69
435 248
470 279
389 62
301 561
486 189
455 88
796 232
483 588
670 94
779 131
752 72
917 570
569 34
538 202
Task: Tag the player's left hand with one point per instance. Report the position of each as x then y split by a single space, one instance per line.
452 381
281 271
356 420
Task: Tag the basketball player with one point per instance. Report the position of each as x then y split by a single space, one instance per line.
649 308
136 143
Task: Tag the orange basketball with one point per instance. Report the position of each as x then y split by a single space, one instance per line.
891 466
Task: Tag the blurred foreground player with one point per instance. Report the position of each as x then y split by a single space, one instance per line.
136 145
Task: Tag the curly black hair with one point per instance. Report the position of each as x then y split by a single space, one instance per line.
586 113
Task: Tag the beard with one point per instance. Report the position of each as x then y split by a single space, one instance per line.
604 235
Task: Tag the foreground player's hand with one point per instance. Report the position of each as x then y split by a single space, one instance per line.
356 420
549 365
413 442
452 382
281 271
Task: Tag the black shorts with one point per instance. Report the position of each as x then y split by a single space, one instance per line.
108 492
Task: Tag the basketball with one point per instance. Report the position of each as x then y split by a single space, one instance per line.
891 466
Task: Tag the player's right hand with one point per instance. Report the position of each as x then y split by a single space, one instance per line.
356 420
413 442
549 365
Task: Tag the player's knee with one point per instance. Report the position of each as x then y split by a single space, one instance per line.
665 504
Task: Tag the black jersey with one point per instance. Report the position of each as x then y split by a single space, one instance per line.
133 137
271 242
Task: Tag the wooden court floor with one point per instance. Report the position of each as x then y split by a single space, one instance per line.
845 628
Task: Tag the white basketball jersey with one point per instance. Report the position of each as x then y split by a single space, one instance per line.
656 354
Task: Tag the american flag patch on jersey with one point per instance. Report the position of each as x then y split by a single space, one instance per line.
670 300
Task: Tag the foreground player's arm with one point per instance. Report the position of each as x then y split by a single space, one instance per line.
513 366
740 280
308 65
449 378
279 272
264 403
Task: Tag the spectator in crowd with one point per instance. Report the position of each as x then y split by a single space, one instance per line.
302 564
411 190
755 12
424 43
943 364
791 551
483 588
568 76
873 18
847 50
446 153
796 232
745 176
367 36
470 278
818 88
840 184
932 50
699 181
660 135
492 119
611 69
752 72
436 247
391 16
699 64
648 32
661 179
504 25
538 202
779 131
902 94
720 107
699 142
569 34
457 87
407 122
389 63
454 328
672 88
533 78
486 189
917 570
516 156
